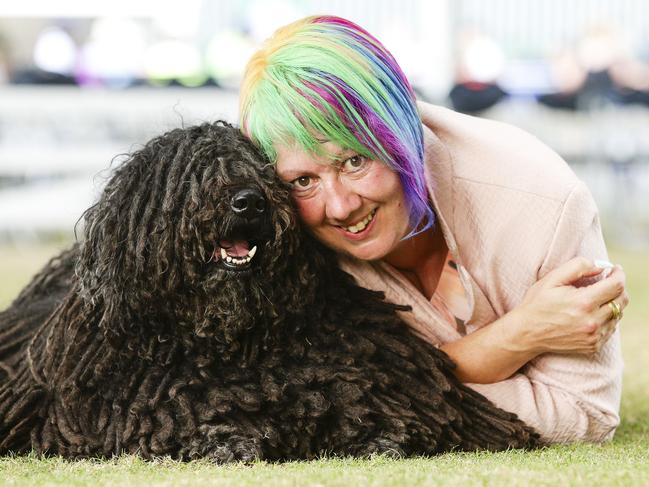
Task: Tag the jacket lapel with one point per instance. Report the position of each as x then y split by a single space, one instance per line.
439 177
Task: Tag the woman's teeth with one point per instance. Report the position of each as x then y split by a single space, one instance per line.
360 226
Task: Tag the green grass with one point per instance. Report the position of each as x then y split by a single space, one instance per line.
19 263
574 465
624 461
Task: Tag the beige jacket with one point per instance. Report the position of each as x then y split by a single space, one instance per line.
511 210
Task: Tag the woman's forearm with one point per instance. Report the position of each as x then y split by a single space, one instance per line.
490 354
554 317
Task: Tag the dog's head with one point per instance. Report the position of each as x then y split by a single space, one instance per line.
195 229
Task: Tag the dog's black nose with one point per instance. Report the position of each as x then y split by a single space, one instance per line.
248 203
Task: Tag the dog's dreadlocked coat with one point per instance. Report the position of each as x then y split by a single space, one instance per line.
196 319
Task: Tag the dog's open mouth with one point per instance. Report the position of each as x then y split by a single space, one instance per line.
235 254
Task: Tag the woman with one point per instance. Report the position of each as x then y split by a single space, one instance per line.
484 231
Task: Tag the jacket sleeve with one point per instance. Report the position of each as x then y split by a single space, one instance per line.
568 398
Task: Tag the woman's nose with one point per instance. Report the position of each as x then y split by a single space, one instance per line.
340 201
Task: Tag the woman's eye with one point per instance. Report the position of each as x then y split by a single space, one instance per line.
354 163
302 182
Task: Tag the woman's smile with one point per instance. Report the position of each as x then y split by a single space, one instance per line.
361 229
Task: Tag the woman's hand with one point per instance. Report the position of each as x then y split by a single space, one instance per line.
556 316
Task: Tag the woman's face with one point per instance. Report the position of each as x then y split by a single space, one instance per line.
354 205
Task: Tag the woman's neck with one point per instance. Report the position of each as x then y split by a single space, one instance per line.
421 259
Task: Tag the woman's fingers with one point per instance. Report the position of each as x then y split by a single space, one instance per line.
608 289
605 332
572 271
606 313
623 300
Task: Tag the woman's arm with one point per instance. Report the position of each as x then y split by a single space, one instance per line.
566 396
553 317
488 355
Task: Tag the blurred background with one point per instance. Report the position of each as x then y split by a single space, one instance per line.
83 81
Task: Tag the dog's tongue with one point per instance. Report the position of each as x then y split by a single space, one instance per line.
236 248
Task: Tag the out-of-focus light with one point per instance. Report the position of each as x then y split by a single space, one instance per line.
401 43
55 51
483 60
174 60
114 53
79 8
226 57
526 78
600 47
266 16
178 20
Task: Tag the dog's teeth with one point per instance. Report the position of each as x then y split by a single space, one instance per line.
239 260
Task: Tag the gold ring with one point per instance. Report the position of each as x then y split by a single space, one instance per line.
616 311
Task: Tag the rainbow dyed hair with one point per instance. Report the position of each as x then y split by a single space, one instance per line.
324 76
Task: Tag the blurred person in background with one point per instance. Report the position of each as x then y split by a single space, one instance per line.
600 70
480 63
483 230
567 77
53 59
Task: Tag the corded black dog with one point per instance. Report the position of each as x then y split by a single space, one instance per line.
196 319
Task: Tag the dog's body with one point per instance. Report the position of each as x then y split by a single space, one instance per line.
197 320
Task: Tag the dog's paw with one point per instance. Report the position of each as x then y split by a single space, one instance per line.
379 446
222 446
234 450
